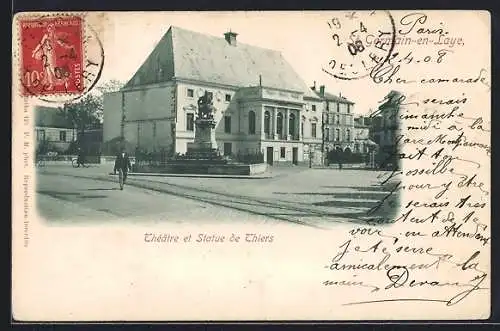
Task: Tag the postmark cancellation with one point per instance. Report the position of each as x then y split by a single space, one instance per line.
59 57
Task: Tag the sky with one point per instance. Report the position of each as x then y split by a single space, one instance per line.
304 39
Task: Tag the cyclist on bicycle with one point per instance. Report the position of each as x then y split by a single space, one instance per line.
122 165
81 158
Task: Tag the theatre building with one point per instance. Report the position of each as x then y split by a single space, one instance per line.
261 103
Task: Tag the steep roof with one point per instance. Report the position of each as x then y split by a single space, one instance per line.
392 99
195 56
51 117
332 97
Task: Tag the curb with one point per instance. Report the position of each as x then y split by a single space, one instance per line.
144 174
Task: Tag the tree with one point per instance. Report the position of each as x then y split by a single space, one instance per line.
84 114
112 85
87 112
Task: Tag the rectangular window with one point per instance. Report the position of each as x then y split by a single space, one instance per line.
337 134
228 97
62 135
338 119
251 122
338 107
190 92
282 152
348 108
313 130
302 129
313 107
227 124
190 122
228 149
327 134
40 135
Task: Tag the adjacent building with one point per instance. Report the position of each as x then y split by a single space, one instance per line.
362 142
385 122
343 132
385 127
53 131
339 123
261 103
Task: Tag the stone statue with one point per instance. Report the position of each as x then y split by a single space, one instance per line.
205 107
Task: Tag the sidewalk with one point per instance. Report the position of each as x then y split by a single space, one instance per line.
260 176
272 172
335 166
106 170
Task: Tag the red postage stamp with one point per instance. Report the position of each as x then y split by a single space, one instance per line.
51 55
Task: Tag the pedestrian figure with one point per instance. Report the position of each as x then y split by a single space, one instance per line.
81 158
122 165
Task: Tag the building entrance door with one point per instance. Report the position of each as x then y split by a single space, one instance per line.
270 153
227 149
295 155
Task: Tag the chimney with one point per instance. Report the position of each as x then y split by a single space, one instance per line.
230 37
322 90
340 94
260 80
314 86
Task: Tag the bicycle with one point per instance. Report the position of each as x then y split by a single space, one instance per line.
76 164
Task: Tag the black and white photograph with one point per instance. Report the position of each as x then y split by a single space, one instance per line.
216 127
340 155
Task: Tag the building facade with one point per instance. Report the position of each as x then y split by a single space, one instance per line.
337 124
53 132
385 122
261 104
362 142
385 126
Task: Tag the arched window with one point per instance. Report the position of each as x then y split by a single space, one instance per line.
291 124
267 122
279 124
251 122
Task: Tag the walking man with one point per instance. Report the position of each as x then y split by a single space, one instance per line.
122 165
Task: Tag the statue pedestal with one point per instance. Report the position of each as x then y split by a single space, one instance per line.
204 144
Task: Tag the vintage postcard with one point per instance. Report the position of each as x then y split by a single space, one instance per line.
236 166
